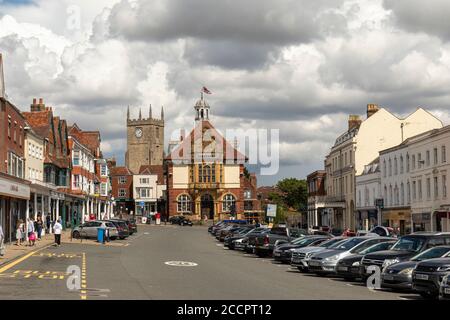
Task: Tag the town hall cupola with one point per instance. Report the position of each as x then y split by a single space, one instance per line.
201 109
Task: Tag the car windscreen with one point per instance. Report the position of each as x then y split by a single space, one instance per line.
349 243
377 247
305 241
110 225
329 243
406 243
432 253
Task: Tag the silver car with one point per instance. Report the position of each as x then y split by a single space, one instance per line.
325 262
301 256
89 229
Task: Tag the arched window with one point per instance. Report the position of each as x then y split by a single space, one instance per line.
402 194
401 164
229 203
407 162
390 167
184 203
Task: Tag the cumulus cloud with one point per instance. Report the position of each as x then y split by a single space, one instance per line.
296 66
430 17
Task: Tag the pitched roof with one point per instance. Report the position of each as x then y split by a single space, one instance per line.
120 171
186 150
153 169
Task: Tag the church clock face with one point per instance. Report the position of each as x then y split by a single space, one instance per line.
138 132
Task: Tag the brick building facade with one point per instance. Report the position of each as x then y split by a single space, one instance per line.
206 176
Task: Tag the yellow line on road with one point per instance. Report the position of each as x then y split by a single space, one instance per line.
83 278
21 259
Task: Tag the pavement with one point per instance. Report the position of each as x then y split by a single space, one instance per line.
167 262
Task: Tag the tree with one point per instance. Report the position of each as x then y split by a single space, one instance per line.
293 193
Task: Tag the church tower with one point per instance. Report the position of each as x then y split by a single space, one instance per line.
145 141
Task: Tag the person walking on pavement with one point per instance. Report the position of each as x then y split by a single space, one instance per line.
19 227
47 223
30 232
39 225
2 240
57 228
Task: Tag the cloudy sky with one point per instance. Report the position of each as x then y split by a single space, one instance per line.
300 66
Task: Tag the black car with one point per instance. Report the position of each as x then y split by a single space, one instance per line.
283 251
122 228
176 219
186 222
406 247
399 275
350 267
428 275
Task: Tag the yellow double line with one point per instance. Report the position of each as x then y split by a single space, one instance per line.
83 290
19 260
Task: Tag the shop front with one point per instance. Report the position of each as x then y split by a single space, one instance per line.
14 197
366 219
399 219
421 221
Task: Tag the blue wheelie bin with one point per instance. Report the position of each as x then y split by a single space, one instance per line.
101 235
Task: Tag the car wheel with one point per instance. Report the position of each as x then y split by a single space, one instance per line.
348 279
428 296
121 238
76 235
301 269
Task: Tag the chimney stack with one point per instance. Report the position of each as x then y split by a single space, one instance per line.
354 121
38 106
372 109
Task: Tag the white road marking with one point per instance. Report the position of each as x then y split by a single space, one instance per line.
146 232
181 263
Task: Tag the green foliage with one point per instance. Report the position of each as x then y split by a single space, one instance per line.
293 193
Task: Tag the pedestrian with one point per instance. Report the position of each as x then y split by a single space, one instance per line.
47 223
19 232
2 240
57 228
30 232
39 225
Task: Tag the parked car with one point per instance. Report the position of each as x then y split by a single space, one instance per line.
89 229
265 243
350 267
399 275
382 231
325 262
250 240
176 219
122 228
210 228
186 222
407 247
428 275
226 231
444 291
283 252
301 256
238 234
132 225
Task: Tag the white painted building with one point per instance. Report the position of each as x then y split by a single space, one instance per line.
368 190
148 189
429 170
359 146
